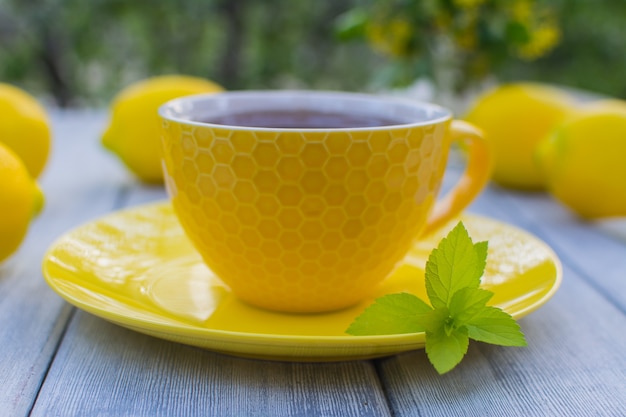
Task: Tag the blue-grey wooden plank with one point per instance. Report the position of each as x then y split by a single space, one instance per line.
145 195
574 364
599 257
32 317
105 370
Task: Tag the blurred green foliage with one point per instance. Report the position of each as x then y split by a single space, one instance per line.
456 44
83 52
592 51
78 53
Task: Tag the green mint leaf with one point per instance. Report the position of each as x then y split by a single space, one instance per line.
466 303
436 320
481 249
445 350
492 325
453 265
391 314
459 307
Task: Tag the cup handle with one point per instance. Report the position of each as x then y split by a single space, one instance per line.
473 180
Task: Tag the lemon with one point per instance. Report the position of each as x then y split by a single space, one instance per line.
24 127
584 161
20 200
515 118
135 128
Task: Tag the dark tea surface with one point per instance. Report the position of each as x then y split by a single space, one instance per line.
299 119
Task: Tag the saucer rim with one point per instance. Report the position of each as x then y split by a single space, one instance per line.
177 329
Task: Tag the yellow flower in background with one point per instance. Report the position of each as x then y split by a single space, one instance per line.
473 37
392 37
542 39
543 33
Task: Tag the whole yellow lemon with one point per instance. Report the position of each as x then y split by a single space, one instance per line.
135 128
24 127
20 200
515 118
584 160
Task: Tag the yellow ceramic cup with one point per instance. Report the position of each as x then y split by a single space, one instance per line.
303 218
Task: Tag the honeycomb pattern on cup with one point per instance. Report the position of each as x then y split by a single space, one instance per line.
303 222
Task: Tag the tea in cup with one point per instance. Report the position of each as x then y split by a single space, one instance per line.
304 201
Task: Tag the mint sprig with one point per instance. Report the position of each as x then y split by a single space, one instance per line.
458 309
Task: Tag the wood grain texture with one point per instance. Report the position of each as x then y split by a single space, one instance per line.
598 257
105 370
574 366
575 363
32 317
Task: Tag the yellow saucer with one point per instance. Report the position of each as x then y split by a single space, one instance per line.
136 268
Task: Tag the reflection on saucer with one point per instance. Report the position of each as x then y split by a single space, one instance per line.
185 288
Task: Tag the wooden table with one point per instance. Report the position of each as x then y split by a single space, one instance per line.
56 360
